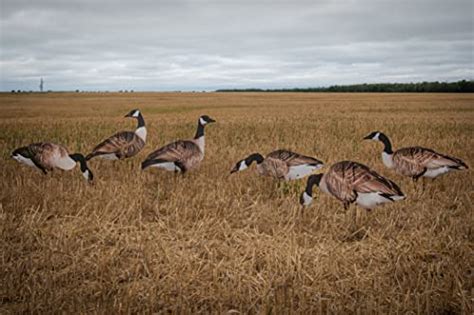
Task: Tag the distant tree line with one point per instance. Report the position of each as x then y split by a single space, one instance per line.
463 86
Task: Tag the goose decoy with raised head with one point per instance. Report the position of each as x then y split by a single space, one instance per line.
46 156
416 161
280 164
352 182
182 155
124 144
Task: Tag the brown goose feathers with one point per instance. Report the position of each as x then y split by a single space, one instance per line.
182 155
352 182
416 161
47 156
123 144
280 164
345 180
120 146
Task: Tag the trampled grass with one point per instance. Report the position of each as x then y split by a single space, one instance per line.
211 242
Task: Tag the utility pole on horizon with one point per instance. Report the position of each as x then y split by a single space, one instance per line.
41 85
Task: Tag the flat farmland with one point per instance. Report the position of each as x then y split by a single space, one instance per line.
211 242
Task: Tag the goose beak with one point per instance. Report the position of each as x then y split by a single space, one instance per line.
211 121
235 169
367 138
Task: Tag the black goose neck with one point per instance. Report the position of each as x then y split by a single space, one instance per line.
257 157
199 131
386 142
312 180
81 159
23 151
140 120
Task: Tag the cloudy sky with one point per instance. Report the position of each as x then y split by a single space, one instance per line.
210 44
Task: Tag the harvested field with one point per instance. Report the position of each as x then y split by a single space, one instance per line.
213 242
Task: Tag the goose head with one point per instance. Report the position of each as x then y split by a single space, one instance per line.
373 136
133 113
21 155
306 197
204 120
239 166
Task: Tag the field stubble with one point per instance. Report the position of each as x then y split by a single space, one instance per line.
208 241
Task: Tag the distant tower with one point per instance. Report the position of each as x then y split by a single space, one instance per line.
41 85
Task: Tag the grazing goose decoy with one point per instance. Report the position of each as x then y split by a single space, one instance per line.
416 161
124 144
280 164
182 155
46 156
352 182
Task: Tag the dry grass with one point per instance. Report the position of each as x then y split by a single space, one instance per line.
209 242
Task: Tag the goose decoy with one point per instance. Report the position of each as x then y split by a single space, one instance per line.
46 156
352 182
280 164
416 162
182 155
124 144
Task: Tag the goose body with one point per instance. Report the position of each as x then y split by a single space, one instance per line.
416 161
124 144
47 156
280 164
352 182
182 155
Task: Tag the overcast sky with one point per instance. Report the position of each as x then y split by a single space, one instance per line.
205 45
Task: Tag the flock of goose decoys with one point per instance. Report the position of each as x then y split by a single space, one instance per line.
348 181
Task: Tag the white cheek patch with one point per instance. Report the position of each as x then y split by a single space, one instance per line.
376 137
307 199
202 121
136 113
86 174
242 166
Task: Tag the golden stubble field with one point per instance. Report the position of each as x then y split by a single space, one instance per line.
210 242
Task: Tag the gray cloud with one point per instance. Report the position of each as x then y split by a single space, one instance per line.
170 45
